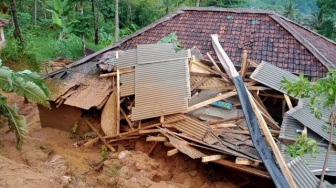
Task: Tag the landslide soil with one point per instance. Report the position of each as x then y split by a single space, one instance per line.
49 158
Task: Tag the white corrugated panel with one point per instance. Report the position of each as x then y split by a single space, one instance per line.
127 84
127 59
161 89
153 53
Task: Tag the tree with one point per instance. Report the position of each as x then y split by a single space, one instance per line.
322 94
116 34
24 83
327 6
17 32
225 3
289 10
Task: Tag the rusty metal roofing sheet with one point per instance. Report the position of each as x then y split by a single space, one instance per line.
182 145
315 164
90 90
127 84
127 59
152 53
192 127
303 114
302 174
291 128
271 75
161 89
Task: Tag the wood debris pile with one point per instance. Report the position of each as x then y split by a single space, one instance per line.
213 126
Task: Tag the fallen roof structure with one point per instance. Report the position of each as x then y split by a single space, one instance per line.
192 105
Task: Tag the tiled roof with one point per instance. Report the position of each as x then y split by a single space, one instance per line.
265 35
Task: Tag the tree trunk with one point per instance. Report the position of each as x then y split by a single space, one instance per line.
198 3
81 8
116 34
332 123
35 12
17 33
95 22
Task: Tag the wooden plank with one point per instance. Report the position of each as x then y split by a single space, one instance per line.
223 125
252 63
152 149
149 131
136 131
118 102
224 76
258 99
108 118
242 168
201 81
288 101
172 152
226 120
225 88
262 124
247 132
129 122
90 143
122 71
242 161
244 64
99 135
212 158
129 107
203 74
210 101
168 144
156 139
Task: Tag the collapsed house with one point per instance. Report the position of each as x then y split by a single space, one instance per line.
190 104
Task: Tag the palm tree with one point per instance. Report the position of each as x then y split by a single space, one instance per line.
289 10
24 83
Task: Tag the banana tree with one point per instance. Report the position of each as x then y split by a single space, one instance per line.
60 10
24 83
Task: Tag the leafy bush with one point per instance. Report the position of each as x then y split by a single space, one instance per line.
68 47
19 57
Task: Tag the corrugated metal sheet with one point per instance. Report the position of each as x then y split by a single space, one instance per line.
303 114
153 53
127 84
290 128
90 90
271 75
302 175
127 59
161 89
182 145
192 127
315 164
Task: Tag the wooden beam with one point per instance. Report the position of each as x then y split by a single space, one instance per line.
200 82
242 168
152 149
156 139
116 73
226 120
262 124
118 102
224 76
212 158
172 152
129 107
149 131
247 132
129 122
244 64
99 135
89 143
142 128
210 101
288 101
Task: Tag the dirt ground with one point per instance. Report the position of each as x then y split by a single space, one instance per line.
49 158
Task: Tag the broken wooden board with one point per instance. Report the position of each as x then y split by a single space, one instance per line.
109 116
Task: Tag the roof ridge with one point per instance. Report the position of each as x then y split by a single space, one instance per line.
324 60
235 10
309 30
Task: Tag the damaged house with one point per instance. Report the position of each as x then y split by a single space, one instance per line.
157 86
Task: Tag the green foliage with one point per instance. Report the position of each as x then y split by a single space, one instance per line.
19 57
24 83
327 6
321 93
302 145
226 3
103 152
114 170
172 38
67 47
